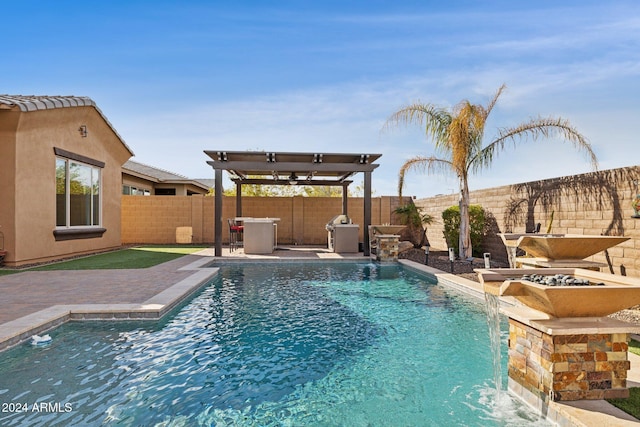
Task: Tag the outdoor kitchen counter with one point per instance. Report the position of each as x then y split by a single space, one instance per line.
260 234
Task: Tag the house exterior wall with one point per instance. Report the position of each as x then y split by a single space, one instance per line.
151 186
8 125
32 216
156 219
139 183
596 203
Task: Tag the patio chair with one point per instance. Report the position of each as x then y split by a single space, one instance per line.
235 234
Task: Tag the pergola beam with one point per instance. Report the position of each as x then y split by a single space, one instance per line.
258 181
248 167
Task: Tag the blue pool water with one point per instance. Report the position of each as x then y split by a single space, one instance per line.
300 344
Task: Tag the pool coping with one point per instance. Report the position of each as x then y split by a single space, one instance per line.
17 331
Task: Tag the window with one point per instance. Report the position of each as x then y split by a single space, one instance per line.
129 190
77 194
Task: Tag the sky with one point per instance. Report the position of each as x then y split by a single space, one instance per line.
176 78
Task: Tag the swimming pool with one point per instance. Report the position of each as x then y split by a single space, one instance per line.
265 344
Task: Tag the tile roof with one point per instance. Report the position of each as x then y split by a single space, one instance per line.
27 103
160 175
33 103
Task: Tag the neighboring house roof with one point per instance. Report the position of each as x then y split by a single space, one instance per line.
210 183
157 175
27 103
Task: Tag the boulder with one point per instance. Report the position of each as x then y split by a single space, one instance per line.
404 246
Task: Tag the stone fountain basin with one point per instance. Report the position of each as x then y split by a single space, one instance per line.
387 229
566 246
618 292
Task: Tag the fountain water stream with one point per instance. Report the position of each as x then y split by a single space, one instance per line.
493 320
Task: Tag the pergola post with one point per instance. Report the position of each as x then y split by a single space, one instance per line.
344 199
217 214
238 198
367 211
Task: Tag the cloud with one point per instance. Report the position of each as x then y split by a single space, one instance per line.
348 117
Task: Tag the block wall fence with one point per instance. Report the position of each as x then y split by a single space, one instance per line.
159 219
598 203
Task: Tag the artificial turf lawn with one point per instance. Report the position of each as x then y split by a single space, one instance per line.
631 405
142 257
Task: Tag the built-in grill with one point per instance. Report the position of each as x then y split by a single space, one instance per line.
338 219
342 235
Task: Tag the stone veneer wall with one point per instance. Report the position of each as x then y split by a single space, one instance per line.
162 219
568 367
596 203
387 248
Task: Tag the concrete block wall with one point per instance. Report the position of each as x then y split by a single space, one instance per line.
597 203
156 219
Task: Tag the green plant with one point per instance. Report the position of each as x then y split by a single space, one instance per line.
411 216
140 257
451 218
631 405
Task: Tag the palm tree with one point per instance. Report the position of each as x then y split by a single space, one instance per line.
459 133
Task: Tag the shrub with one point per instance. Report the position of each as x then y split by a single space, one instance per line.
412 216
451 218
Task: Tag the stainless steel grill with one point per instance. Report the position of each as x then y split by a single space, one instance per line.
338 219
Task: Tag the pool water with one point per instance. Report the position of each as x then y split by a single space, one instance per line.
299 344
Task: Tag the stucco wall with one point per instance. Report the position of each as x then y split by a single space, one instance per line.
155 219
34 212
8 125
588 204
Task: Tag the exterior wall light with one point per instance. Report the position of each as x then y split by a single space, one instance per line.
452 257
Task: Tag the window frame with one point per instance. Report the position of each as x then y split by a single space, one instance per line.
92 230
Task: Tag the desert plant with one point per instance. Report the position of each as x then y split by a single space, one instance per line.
411 216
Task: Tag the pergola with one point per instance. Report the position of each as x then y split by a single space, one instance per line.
285 168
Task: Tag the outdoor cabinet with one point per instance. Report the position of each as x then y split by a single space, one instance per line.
344 238
259 236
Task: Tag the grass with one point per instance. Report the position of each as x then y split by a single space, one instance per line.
631 405
634 347
140 257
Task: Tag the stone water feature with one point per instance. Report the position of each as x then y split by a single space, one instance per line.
557 250
562 347
384 241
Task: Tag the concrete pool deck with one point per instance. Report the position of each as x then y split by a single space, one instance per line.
32 302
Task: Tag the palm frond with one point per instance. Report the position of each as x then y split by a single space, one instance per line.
421 163
533 130
434 119
466 133
493 102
